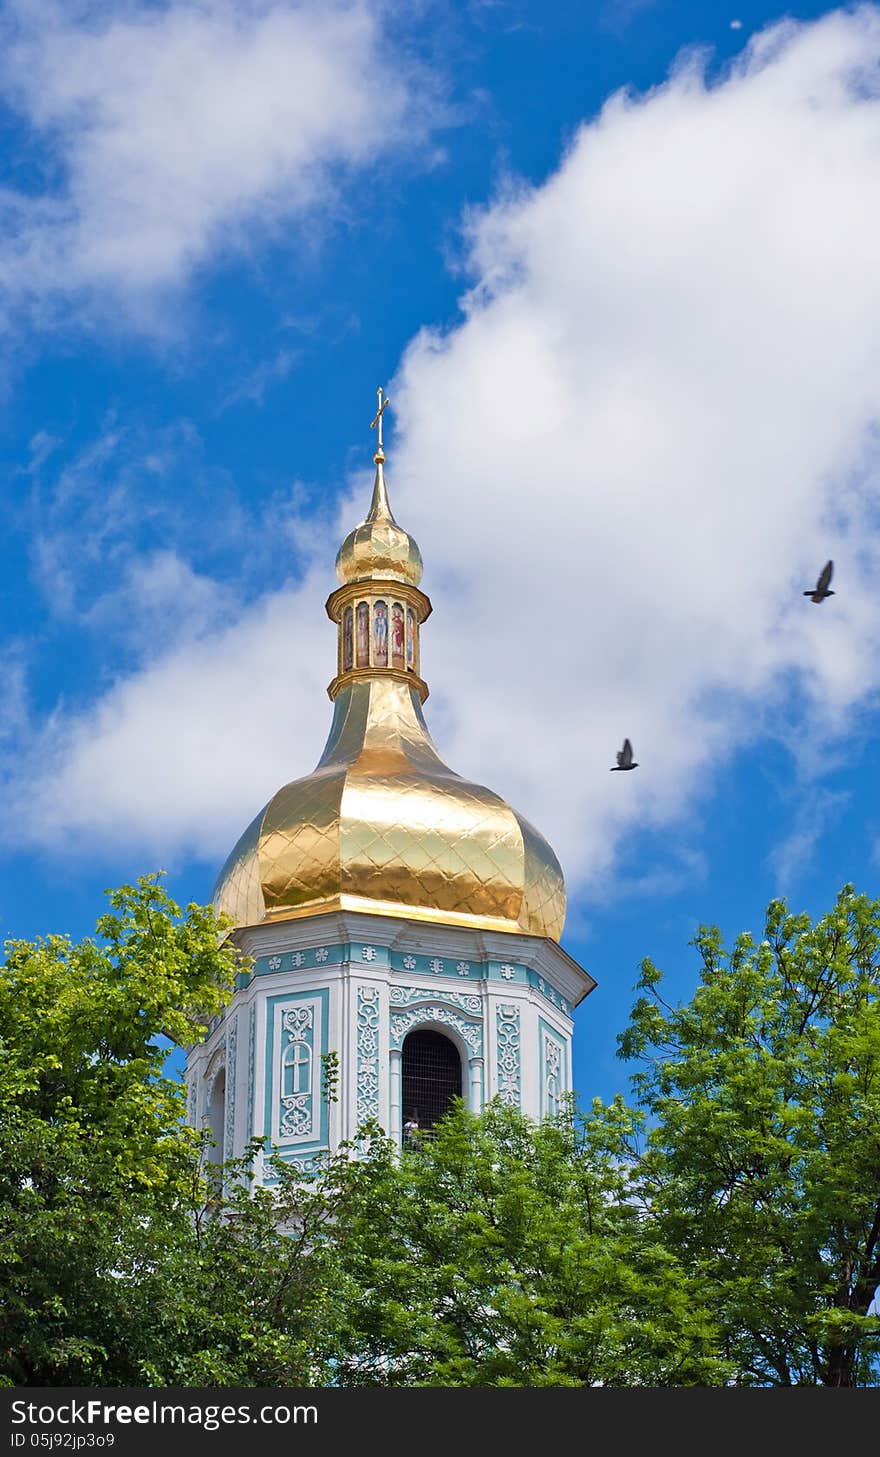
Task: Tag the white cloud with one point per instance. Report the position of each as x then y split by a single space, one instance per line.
183 754
655 422
170 132
160 598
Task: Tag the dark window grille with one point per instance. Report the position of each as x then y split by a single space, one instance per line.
431 1077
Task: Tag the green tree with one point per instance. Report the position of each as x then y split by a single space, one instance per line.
126 1256
94 1155
736 1241
501 1253
762 1167
224 1290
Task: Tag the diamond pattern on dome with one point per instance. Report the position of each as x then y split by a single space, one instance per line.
379 548
451 845
383 820
239 891
299 846
544 896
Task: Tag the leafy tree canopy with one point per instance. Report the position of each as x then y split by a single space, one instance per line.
93 1150
505 1254
726 1231
763 1164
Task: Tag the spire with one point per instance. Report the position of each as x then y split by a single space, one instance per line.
378 549
380 510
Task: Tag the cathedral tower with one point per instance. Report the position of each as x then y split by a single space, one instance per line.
395 914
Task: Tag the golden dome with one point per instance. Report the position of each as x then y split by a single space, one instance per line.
379 547
382 824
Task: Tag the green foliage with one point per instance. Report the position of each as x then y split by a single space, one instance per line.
727 1232
228 1291
330 1076
504 1254
763 1163
93 1150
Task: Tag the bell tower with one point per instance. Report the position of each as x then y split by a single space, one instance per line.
395 914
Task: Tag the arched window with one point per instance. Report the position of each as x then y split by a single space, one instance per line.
410 639
296 1069
347 640
217 1116
363 635
398 632
380 634
552 1097
431 1077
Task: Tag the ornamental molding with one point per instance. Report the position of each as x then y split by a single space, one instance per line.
215 1064
306 957
296 1107
468 1003
508 1045
307 1164
433 1013
251 1072
552 994
296 1119
552 1055
367 1098
552 1074
231 1054
298 1021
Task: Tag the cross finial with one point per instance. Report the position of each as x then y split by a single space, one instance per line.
377 420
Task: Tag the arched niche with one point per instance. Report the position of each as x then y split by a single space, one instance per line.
432 1076
380 633
397 635
216 1116
347 640
362 635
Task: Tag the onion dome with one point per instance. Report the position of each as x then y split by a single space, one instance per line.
382 824
379 547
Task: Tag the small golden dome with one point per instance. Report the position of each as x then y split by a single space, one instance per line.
379 547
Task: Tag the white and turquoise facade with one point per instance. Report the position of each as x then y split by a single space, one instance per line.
357 985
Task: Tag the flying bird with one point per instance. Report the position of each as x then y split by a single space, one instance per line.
821 589
624 758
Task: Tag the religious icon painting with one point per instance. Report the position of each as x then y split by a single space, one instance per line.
410 638
363 635
347 639
380 634
397 635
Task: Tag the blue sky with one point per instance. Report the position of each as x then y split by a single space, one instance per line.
617 265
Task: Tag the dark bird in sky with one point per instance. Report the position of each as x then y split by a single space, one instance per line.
624 758
821 589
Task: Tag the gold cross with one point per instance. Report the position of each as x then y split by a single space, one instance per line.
383 406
